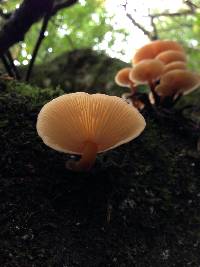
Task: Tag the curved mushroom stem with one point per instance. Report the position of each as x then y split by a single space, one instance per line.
87 159
152 88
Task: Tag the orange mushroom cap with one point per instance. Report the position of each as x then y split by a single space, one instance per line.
122 77
146 70
85 124
154 48
177 82
169 56
176 65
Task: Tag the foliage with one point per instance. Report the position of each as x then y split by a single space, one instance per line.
87 24
184 29
80 26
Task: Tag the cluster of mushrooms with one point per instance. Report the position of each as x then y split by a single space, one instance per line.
87 124
161 65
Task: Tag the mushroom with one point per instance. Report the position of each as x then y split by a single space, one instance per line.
84 124
169 56
154 48
176 65
147 70
122 79
176 82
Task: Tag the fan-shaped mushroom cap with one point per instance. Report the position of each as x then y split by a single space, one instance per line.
146 70
152 49
176 65
70 121
177 82
122 77
169 56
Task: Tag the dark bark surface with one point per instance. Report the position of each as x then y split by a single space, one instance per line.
138 206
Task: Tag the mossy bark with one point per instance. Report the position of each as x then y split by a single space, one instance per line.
80 70
138 206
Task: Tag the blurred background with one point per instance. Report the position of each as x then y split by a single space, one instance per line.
116 27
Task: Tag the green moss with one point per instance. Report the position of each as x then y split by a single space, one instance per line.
36 95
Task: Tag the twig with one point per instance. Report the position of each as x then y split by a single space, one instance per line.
29 12
6 65
175 14
191 11
139 26
153 35
38 43
14 68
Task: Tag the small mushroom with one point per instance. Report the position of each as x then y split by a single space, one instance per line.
84 124
151 50
177 82
176 65
169 56
122 79
146 71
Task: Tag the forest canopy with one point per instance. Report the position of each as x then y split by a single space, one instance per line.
91 24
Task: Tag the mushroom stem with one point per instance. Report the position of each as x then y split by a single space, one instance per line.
87 159
133 88
177 98
152 88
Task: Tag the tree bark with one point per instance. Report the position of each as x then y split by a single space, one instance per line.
29 12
